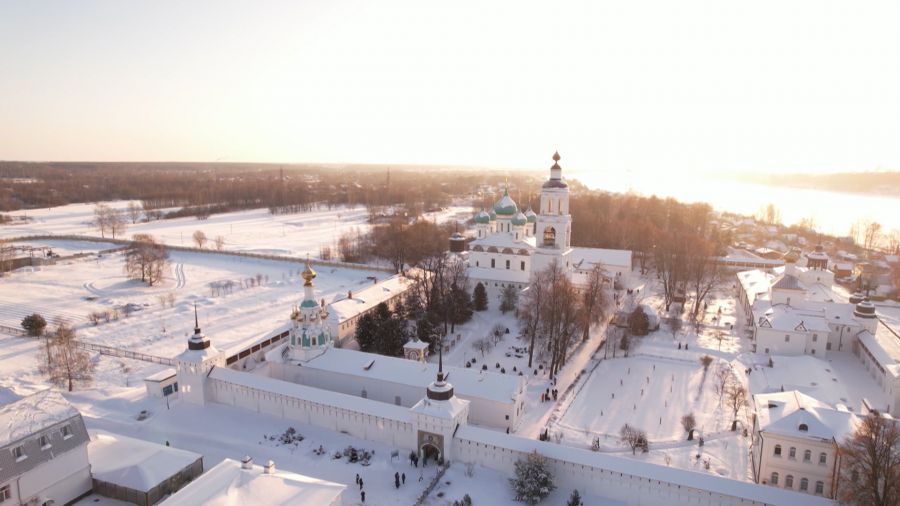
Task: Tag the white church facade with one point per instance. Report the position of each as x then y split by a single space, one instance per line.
510 243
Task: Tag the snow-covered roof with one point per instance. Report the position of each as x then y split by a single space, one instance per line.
31 414
448 409
467 382
161 375
585 258
415 345
789 318
794 413
788 282
135 463
317 395
884 347
502 240
652 472
369 297
755 284
229 484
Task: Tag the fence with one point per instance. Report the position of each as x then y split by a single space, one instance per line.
280 258
118 352
13 331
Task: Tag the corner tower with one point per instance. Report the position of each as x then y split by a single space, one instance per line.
194 364
437 416
553 227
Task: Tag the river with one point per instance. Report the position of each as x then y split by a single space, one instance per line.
833 212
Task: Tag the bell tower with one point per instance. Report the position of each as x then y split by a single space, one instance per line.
553 228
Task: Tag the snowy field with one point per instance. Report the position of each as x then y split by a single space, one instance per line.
254 230
75 288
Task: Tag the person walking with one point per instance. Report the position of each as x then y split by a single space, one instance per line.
403 477
360 483
362 496
357 478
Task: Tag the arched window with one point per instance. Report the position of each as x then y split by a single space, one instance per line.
549 236
777 450
789 481
807 456
804 484
803 427
774 479
792 453
820 487
823 457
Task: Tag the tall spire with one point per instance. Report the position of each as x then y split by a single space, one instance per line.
441 360
196 320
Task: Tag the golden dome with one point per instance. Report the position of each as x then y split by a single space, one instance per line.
308 274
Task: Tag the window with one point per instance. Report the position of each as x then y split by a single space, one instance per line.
813 352
803 428
804 484
822 458
45 442
396 400
5 493
807 456
792 453
820 487
815 337
19 453
827 346
492 263
523 265
507 265
774 478
787 338
777 450
789 481
476 263
364 394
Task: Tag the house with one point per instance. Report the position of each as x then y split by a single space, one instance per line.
138 471
162 384
795 442
44 458
344 313
232 482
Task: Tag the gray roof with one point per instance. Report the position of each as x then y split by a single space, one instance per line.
788 282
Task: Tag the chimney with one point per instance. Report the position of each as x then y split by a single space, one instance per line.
270 467
246 462
349 294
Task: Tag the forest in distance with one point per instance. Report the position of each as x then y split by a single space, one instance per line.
871 183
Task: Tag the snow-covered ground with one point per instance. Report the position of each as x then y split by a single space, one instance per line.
254 230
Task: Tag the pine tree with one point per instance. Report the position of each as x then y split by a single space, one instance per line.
508 299
575 499
428 329
367 332
414 307
460 307
480 302
390 337
533 481
382 312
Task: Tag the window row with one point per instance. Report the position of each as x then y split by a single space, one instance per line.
807 454
804 483
19 453
508 264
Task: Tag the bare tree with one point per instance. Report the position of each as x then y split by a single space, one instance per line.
220 244
635 438
63 361
689 423
594 301
769 214
870 464
722 376
737 399
199 238
531 309
484 345
134 212
560 317
145 258
706 361
703 272
871 236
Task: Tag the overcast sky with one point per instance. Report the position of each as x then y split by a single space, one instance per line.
640 86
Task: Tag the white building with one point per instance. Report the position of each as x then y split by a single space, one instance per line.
344 313
44 458
511 244
232 482
795 442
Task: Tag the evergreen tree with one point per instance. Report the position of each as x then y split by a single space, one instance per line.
428 329
480 302
414 307
638 322
533 481
508 299
391 336
400 310
575 499
382 313
367 332
34 324
460 307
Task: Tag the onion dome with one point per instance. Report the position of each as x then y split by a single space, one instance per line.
506 206
492 215
530 216
308 274
555 180
519 219
482 217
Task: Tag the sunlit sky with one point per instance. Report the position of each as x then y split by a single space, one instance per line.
648 87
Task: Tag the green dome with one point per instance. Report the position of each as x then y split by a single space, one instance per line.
530 216
482 217
519 219
492 215
506 206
